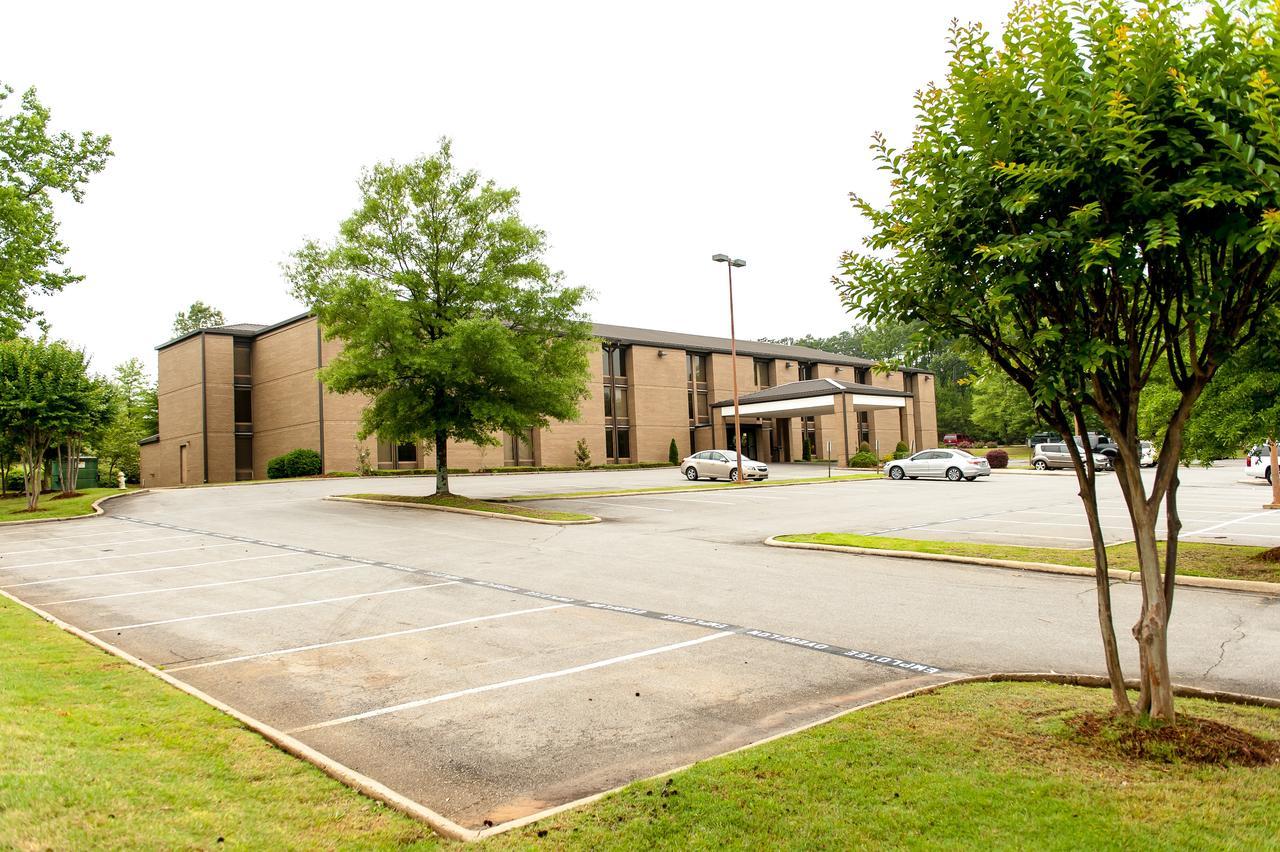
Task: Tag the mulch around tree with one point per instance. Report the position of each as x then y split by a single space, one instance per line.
1272 555
1188 739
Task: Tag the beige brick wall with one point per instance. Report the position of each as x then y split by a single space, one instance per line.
178 397
659 403
286 405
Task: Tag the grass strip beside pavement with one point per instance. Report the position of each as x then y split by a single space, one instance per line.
456 501
674 489
1222 561
99 754
53 506
972 766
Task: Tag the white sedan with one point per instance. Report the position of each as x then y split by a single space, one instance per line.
1258 462
721 464
954 465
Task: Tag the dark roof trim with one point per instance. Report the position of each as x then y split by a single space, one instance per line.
153 439
810 388
626 335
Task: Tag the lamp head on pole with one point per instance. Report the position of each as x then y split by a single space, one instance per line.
724 258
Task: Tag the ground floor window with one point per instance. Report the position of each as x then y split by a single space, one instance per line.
244 457
864 427
617 443
394 456
809 437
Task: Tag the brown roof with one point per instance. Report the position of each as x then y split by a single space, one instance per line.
807 388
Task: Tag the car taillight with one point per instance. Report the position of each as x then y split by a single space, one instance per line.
1248 461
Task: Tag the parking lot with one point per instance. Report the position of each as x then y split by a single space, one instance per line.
491 669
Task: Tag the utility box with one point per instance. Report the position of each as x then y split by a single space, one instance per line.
87 476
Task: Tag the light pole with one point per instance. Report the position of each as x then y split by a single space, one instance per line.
733 360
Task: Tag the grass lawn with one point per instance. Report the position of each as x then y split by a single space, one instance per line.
1225 561
617 492
971 767
53 506
99 754
456 501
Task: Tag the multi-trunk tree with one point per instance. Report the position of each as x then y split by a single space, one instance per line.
452 323
1093 200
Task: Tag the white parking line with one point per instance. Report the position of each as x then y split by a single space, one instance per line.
1229 523
203 585
624 505
412 630
692 500
120 531
121 556
97 544
436 699
1009 535
122 627
144 570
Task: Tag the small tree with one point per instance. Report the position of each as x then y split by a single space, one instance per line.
582 453
1091 203
673 453
92 417
454 326
196 317
42 388
35 165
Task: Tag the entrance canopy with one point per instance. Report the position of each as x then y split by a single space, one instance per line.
814 397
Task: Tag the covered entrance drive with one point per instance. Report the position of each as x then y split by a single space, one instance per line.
779 406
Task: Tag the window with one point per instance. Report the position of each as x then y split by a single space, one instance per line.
699 404
244 457
809 437
762 374
862 375
396 456
617 408
241 361
864 427
244 410
807 370
407 453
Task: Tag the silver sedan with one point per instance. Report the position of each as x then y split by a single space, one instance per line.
721 464
954 465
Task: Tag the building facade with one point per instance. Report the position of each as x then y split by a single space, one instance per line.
234 397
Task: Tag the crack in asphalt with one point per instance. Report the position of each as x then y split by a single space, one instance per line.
1222 647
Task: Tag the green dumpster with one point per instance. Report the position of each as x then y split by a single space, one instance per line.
87 476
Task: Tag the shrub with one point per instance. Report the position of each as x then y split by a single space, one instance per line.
997 459
991 445
901 451
964 445
673 453
582 453
864 447
864 458
294 463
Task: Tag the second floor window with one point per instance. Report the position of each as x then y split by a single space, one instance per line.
762 374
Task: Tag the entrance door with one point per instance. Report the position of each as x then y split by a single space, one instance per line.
517 450
750 440
779 438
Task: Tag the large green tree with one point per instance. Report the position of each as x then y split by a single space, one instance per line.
133 418
1089 201
453 324
196 317
1002 411
36 164
44 392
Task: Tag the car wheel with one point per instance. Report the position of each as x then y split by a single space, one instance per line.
733 476
691 473
1040 464
895 473
954 474
1267 475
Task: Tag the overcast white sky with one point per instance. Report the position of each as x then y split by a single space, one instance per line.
643 137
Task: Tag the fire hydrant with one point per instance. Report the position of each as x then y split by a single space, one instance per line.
120 479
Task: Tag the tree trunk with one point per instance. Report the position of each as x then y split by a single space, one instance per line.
442 462
33 451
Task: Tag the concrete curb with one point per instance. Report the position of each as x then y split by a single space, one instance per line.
95 506
338 771
457 511
516 498
1256 587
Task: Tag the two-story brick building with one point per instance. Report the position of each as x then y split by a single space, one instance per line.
232 398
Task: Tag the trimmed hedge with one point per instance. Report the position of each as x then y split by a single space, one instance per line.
997 459
295 463
864 458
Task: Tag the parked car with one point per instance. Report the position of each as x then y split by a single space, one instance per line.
721 464
955 465
953 438
1042 438
1056 456
1147 454
1258 462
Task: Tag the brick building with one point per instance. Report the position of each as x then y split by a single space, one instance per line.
232 398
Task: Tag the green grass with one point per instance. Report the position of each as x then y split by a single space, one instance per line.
1224 561
456 501
970 767
98 754
52 506
662 489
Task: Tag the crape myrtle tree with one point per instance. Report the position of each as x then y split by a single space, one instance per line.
1090 202
44 392
453 324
